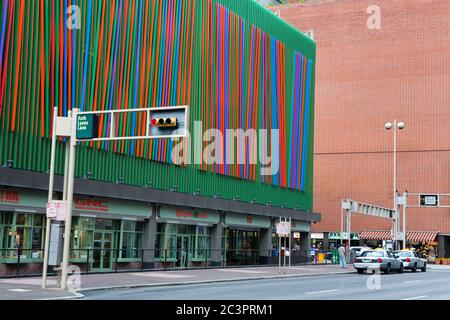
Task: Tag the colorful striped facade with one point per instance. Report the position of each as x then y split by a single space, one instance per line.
233 62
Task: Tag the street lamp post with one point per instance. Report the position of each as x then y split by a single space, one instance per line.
396 125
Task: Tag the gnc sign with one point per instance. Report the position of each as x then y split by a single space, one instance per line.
91 205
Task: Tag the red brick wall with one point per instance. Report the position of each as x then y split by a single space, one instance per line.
366 78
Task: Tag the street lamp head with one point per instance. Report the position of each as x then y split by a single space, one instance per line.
401 125
388 125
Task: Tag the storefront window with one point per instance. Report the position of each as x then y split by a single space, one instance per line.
104 224
166 241
171 239
21 233
242 246
131 239
202 245
82 236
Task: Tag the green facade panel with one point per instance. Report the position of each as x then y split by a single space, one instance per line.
119 63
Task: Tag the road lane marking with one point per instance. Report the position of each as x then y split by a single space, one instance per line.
242 271
163 275
414 298
412 281
27 281
306 269
19 290
324 291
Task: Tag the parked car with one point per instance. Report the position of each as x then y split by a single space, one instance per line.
357 251
383 260
411 260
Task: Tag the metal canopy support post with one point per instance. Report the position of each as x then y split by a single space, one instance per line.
290 238
279 251
70 184
405 196
50 198
396 221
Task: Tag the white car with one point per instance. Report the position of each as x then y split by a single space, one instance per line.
359 250
411 260
382 260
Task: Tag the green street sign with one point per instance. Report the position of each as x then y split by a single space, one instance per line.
87 126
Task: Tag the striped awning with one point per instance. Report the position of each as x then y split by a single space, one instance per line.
376 235
421 236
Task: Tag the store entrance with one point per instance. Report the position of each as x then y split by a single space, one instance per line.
242 247
182 251
102 254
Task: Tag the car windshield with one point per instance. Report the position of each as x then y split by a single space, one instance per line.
373 254
403 254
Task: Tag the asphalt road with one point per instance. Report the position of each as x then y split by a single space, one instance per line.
433 284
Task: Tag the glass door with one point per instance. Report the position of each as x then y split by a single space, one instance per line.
102 255
107 252
182 251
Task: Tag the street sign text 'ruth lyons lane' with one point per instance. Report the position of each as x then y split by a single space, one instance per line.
87 126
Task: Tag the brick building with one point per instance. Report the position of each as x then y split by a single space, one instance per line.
365 78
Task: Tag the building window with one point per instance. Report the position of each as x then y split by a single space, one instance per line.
21 233
131 237
82 237
173 238
202 245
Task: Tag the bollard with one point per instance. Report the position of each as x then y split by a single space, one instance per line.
58 276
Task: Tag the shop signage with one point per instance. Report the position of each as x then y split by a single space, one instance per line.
109 206
194 214
9 196
296 235
316 235
23 198
91 205
337 236
241 219
188 214
303 226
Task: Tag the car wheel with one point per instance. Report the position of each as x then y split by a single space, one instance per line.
400 270
388 269
360 271
414 269
424 269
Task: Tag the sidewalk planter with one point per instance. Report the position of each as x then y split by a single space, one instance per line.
437 261
445 261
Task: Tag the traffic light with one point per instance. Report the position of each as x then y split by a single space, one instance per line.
164 122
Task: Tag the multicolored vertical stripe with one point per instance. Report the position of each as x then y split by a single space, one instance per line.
148 53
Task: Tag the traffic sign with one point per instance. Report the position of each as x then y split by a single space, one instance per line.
87 126
57 210
429 200
283 228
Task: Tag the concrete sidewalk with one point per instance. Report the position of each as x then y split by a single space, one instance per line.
30 288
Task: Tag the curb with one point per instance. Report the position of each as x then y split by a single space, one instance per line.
167 284
75 296
438 267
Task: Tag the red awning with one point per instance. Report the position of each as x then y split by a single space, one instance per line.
376 235
421 236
